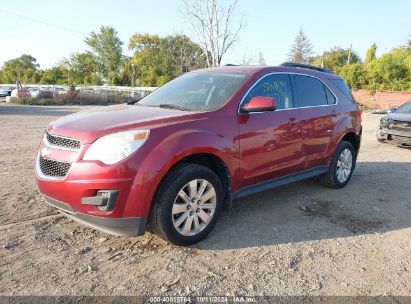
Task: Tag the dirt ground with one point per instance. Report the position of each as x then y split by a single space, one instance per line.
301 239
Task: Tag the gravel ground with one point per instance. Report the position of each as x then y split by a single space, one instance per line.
301 239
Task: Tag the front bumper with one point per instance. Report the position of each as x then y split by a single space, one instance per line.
77 192
397 137
126 226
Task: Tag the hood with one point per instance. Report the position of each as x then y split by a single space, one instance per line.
91 124
399 116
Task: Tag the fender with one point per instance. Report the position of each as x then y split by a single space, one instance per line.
342 128
175 147
183 143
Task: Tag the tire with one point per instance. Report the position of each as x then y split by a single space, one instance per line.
168 211
381 137
332 178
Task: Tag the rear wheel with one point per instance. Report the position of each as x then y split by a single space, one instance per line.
341 167
187 204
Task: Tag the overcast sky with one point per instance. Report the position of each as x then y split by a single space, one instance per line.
271 25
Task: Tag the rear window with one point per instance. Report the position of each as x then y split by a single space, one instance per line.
343 87
310 91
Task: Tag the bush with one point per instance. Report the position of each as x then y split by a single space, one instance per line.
36 101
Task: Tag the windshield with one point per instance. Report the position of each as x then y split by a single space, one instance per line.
405 108
203 91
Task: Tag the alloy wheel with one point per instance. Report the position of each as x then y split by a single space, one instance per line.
344 165
194 207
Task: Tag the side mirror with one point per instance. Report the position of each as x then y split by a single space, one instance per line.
260 104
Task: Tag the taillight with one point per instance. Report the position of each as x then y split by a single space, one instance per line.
359 113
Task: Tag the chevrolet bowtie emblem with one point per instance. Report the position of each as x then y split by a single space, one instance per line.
45 152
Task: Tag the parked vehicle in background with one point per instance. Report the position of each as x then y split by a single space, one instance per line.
85 91
34 92
39 93
6 92
395 127
135 96
181 154
21 93
60 91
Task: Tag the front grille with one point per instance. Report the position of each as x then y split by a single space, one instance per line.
400 126
53 168
63 142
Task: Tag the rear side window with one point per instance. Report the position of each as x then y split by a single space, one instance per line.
310 91
277 86
343 87
330 96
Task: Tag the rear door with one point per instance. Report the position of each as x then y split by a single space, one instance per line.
317 106
270 142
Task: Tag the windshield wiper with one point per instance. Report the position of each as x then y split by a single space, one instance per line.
173 107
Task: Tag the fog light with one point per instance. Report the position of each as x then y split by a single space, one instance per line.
104 200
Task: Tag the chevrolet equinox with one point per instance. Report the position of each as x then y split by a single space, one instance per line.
172 161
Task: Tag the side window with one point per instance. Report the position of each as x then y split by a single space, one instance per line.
310 91
277 86
330 96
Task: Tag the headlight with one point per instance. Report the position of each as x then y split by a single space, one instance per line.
384 121
112 148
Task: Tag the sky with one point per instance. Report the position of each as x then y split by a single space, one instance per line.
51 30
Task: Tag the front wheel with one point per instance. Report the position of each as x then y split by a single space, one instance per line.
187 204
341 167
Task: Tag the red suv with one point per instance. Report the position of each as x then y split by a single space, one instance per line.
183 153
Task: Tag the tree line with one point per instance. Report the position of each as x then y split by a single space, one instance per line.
155 61
390 71
215 27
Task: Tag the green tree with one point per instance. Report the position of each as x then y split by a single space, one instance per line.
107 48
407 46
127 73
158 60
302 49
355 75
371 53
56 75
336 58
82 69
391 71
185 55
148 59
24 68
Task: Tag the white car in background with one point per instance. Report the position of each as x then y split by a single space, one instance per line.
60 91
34 92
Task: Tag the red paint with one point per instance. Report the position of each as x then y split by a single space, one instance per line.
260 103
254 147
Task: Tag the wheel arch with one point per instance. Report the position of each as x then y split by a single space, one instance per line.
212 162
354 139
348 131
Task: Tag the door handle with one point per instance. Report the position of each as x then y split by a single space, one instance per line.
334 113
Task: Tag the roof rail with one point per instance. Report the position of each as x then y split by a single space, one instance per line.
231 64
305 66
